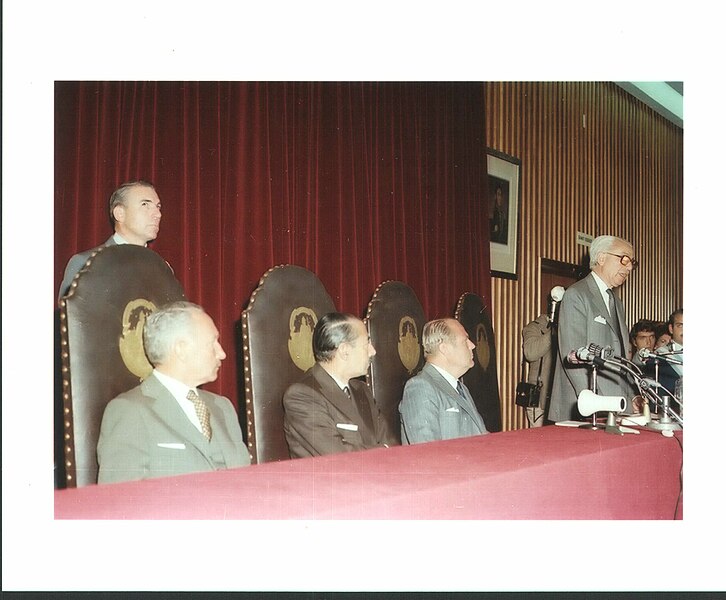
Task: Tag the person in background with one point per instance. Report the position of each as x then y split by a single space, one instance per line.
670 372
330 411
538 349
662 335
436 405
167 425
135 213
642 335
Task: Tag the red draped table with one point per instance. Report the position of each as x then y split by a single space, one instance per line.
545 473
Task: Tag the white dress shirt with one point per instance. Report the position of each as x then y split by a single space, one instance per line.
180 390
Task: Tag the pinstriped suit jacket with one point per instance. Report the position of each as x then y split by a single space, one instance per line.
584 319
431 409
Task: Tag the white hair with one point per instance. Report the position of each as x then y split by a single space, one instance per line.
166 326
603 243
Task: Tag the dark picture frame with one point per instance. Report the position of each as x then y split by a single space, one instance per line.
502 205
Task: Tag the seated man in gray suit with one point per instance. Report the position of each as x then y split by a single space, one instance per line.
166 426
436 405
329 411
135 213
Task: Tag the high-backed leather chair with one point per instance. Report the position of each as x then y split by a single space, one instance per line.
277 348
102 355
395 320
481 379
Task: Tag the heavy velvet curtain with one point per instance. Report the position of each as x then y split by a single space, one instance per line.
357 182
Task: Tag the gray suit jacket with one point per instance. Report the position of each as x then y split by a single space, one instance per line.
584 320
145 433
75 264
320 419
431 409
538 352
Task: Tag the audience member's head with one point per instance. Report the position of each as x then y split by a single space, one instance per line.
642 335
675 325
662 334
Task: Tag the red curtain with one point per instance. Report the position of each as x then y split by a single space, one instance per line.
357 182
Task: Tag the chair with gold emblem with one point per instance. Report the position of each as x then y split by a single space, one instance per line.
101 350
395 320
481 379
277 348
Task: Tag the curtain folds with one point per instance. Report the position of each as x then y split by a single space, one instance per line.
358 182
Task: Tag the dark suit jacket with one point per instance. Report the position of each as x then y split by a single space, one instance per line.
145 433
584 320
75 264
431 409
320 419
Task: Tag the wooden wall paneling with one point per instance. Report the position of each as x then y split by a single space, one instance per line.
596 160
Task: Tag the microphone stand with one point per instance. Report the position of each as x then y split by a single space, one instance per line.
670 419
593 388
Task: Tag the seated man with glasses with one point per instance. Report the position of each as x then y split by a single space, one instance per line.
591 313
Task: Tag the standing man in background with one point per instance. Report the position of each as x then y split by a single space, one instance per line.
538 349
135 213
591 313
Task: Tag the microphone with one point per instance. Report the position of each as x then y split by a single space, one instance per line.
556 294
588 354
593 354
644 353
581 356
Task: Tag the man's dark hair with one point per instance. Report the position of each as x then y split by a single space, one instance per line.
642 325
330 332
660 329
674 314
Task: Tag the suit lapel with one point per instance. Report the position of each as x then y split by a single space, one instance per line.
360 398
333 394
168 410
444 386
603 308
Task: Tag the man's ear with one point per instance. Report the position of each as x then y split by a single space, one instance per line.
180 349
119 213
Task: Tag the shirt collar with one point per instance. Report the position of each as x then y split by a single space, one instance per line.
176 387
120 240
453 381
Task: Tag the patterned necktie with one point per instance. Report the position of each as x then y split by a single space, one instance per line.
202 413
460 389
616 321
346 389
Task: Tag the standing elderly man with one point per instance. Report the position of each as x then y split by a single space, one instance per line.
135 213
590 313
329 411
436 405
167 426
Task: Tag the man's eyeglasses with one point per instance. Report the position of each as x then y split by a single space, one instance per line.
625 260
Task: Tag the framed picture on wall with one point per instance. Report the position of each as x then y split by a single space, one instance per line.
503 212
